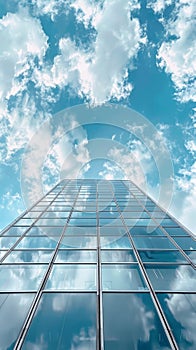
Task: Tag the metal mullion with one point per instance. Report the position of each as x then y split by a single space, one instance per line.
24 234
39 292
170 215
157 305
100 342
168 235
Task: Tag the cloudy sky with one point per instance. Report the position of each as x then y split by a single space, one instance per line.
58 55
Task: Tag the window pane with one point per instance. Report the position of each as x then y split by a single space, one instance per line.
79 242
7 242
114 242
21 277
174 278
71 323
76 256
122 277
37 242
14 308
117 256
112 230
72 277
191 254
45 230
25 256
180 313
147 231
161 256
186 242
153 242
176 231
15 231
131 322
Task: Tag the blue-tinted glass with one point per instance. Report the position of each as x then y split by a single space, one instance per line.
79 242
112 222
117 256
172 278
131 322
55 215
65 256
112 230
13 310
139 222
72 277
191 254
15 231
143 230
161 256
7 242
83 222
114 242
63 322
25 256
31 215
153 242
37 242
2 253
180 310
122 277
168 222
45 230
186 242
51 222
134 214
24 222
109 215
21 277
176 231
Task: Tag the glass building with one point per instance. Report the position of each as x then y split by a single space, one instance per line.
97 265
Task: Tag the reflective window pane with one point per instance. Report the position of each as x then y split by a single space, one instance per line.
72 277
45 230
153 242
122 277
37 242
147 231
112 230
191 254
71 323
186 242
15 231
172 278
131 322
13 310
180 310
176 231
29 256
161 256
114 242
117 256
21 277
79 242
7 242
65 256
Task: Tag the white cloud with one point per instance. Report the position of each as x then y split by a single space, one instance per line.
21 40
101 72
159 5
178 56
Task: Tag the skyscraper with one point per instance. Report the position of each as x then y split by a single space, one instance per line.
97 265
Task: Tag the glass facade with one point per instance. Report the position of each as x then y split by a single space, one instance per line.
97 265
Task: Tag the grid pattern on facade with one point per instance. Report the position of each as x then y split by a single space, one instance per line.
97 265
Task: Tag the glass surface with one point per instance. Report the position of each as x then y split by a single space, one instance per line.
112 230
161 256
131 322
191 254
186 242
72 277
15 231
168 222
108 214
82 222
115 242
37 242
45 230
55 214
63 322
180 310
147 231
153 242
79 242
122 277
135 214
24 222
139 222
117 256
13 310
112 222
2 253
51 222
176 231
7 242
28 256
21 277
65 256
172 278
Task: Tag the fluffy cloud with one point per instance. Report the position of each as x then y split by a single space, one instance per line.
178 55
159 5
25 41
101 72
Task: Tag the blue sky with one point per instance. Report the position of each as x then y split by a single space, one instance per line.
61 54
